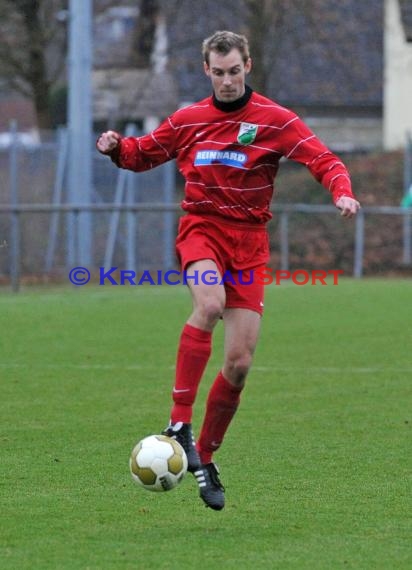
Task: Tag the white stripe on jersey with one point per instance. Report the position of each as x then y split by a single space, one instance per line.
229 187
298 144
337 176
241 206
191 145
317 158
271 106
335 164
219 123
200 202
162 147
265 164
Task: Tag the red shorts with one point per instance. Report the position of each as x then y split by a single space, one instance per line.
238 250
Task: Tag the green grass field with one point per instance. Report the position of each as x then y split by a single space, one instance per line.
317 464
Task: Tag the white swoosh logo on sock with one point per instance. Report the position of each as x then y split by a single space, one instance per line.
183 390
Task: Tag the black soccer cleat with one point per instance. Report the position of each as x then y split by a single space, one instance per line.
211 489
183 434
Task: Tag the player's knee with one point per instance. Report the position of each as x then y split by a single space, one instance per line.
237 366
210 309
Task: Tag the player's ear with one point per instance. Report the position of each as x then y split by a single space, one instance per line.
248 65
206 68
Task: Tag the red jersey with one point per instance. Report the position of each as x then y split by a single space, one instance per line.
229 155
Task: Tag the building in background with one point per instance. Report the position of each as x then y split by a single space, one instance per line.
131 79
326 64
397 109
344 66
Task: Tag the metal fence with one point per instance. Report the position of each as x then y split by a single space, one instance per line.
134 222
160 254
40 229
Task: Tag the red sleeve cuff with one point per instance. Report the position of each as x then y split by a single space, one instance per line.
115 154
339 192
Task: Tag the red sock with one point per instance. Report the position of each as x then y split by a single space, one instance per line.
222 403
193 353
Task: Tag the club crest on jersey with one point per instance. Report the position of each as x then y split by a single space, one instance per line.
247 133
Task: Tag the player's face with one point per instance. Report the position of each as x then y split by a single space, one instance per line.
227 74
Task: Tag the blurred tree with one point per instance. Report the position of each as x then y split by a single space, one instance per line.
272 24
32 50
58 105
143 41
305 52
265 27
265 22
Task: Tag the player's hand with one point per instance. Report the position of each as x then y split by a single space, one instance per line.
348 206
108 141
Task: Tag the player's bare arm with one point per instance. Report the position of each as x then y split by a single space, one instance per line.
108 141
348 206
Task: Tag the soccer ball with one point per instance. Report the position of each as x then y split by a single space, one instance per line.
158 463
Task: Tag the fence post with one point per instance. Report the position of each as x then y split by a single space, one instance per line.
114 218
131 224
407 257
168 217
62 148
14 219
284 241
359 244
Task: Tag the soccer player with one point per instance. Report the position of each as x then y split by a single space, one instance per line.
228 147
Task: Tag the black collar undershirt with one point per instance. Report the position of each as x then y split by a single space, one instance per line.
233 105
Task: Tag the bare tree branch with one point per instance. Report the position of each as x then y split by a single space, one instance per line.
28 29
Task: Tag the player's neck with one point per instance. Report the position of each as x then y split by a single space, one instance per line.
233 105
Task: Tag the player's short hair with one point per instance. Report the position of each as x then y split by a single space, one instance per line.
223 42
